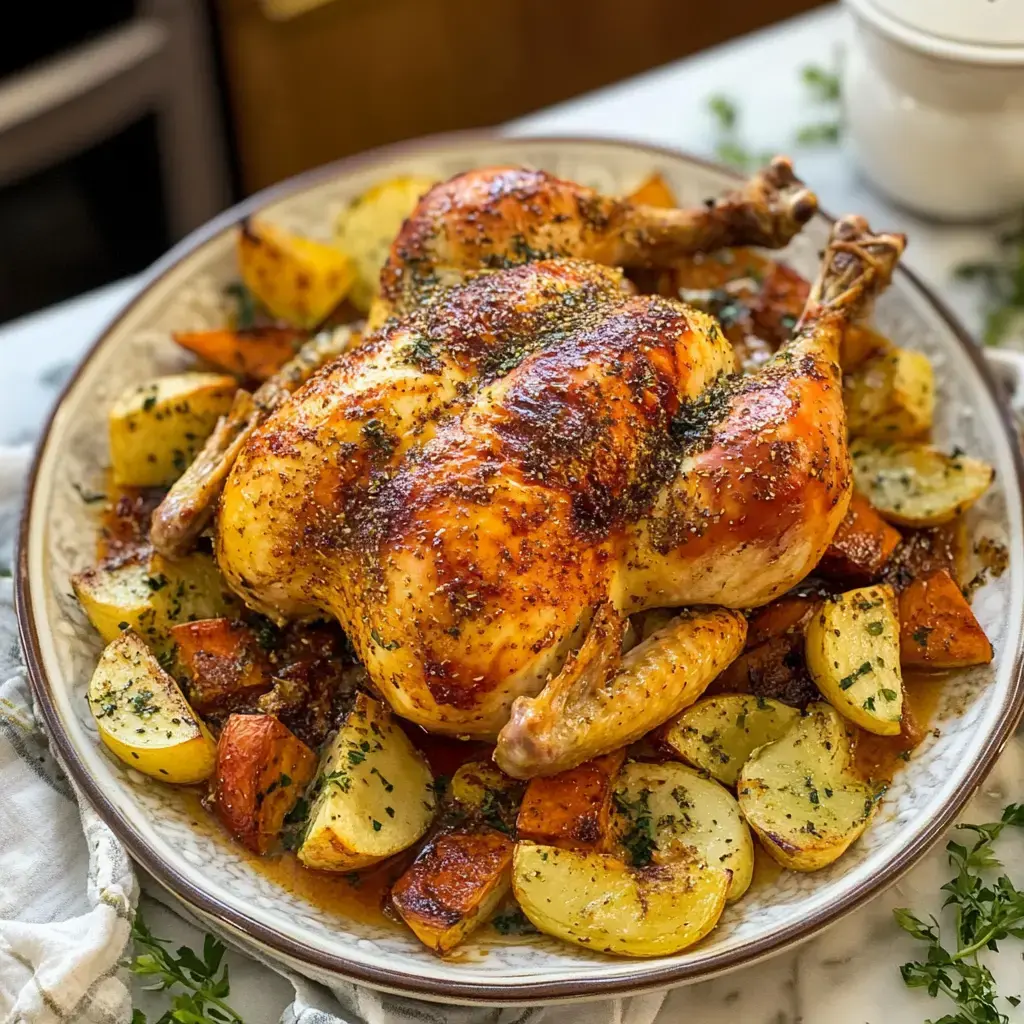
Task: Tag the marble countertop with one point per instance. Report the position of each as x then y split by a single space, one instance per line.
848 974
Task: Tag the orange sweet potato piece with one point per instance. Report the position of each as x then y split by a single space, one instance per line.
862 545
938 628
257 352
262 769
784 615
573 808
224 660
454 885
775 669
654 191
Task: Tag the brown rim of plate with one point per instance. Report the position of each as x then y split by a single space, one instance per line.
406 982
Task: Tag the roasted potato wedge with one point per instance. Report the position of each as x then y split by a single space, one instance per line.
224 661
891 396
853 654
598 902
152 597
861 547
718 734
573 808
376 795
143 717
366 229
454 886
298 280
157 428
668 812
800 795
915 484
256 352
653 191
262 770
937 627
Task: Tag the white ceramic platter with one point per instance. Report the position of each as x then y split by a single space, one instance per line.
977 711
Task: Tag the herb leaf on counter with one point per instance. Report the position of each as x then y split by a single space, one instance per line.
205 978
984 914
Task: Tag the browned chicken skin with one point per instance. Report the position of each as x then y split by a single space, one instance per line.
464 490
498 217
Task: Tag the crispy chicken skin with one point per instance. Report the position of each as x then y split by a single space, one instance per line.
498 217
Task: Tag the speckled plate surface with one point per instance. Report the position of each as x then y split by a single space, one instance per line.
976 714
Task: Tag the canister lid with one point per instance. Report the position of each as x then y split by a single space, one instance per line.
998 23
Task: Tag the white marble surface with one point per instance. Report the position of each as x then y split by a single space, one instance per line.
847 975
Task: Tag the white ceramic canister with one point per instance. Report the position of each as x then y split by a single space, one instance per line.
934 99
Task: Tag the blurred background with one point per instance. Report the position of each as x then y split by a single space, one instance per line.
124 124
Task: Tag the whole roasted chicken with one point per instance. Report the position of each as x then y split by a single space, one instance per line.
524 453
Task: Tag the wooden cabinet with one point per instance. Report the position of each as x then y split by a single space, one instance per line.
353 74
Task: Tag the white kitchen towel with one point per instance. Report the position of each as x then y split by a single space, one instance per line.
68 889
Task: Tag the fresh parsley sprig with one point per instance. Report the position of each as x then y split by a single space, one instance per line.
1002 283
984 914
205 978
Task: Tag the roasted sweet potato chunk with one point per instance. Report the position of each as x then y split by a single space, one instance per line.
224 660
257 352
775 669
573 808
861 547
782 616
938 628
653 191
262 769
454 885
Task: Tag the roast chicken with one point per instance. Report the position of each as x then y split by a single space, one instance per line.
513 463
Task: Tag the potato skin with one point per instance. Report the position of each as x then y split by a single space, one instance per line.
454 885
862 545
937 627
572 809
262 769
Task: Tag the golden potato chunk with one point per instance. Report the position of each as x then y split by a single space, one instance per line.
800 795
482 790
297 279
376 794
368 226
891 396
718 734
262 770
152 597
143 717
937 627
600 903
853 654
666 812
157 428
454 886
915 484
